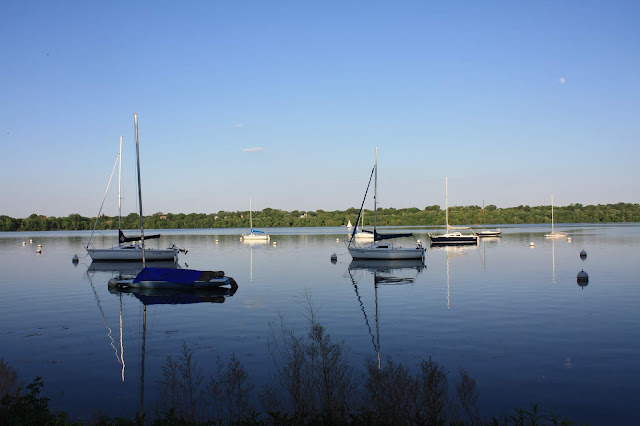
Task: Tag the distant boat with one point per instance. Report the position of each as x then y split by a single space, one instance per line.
123 251
363 234
455 237
553 233
166 278
254 234
486 232
377 250
349 225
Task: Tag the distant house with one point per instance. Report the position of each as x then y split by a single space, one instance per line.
163 217
303 216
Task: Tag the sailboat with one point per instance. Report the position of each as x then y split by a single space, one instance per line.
377 250
123 251
486 232
553 233
455 237
166 278
254 234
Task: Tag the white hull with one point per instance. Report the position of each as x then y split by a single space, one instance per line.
132 254
255 237
363 236
386 252
556 235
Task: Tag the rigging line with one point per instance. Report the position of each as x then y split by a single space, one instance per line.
103 200
104 318
366 319
355 227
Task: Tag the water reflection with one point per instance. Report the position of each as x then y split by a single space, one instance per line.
452 252
382 272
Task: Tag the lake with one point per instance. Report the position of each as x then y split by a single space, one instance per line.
513 316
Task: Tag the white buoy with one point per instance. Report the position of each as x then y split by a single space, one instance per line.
583 254
40 245
217 241
24 243
583 277
532 244
569 239
38 250
30 241
337 240
275 243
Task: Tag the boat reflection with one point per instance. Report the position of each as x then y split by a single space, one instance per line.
149 297
128 267
166 296
451 252
382 272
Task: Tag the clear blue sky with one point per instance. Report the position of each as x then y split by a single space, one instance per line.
285 101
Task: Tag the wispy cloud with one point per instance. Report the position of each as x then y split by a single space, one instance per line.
258 148
238 125
563 80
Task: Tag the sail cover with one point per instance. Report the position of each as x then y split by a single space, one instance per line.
380 237
124 239
177 276
255 231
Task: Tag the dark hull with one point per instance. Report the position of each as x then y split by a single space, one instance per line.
488 234
453 241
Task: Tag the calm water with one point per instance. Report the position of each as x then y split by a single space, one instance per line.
513 316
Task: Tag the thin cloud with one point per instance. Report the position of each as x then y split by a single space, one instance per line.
563 80
238 125
252 149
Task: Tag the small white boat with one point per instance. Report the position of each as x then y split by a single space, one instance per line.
254 234
553 233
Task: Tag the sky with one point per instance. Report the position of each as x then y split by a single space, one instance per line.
284 102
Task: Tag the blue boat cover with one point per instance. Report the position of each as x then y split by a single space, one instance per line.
256 231
178 276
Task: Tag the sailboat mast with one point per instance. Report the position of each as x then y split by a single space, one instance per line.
135 124
446 200
552 231
375 195
120 185
250 216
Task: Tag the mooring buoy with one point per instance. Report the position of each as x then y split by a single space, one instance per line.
583 254
583 276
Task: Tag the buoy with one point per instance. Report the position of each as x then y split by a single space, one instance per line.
532 244
583 255
583 277
569 239
39 245
334 258
24 243
74 259
38 250
217 241
30 241
275 243
337 240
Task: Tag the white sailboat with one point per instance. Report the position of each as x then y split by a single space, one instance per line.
127 252
453 236
376 249
553 233
362 234
254 234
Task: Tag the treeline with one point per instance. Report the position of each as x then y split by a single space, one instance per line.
268 218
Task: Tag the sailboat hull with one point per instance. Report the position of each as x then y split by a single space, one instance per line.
131 254
449 240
